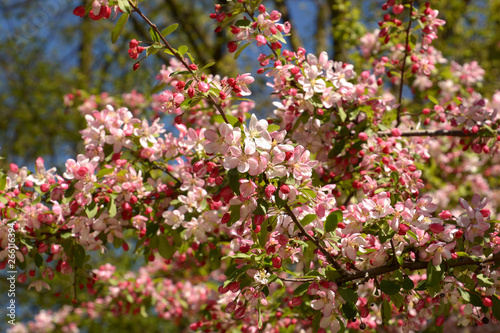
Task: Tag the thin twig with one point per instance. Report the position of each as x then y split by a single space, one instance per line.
159 167
412 266
398 121
299 279
179 57
325 252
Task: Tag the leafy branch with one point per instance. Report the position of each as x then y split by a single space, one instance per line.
325 252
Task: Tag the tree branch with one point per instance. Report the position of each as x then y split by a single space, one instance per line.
325 252
413 266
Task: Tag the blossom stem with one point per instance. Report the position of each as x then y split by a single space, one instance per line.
398 120
179 57
325 252
413 266
159 167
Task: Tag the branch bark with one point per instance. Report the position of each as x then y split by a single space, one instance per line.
413 266
325 252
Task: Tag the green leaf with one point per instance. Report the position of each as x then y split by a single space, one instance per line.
240 49
151 50
383 236
158 88
395 177
124 6
273 127
434 278
235 215
79 255
234 180
91 210
408 283
154 35
337 148
260 318
496 307
117 30
210 64
218 119
475 299
232 120
309 192
103 172
301 289
386 312
183 49
242 23
3 182
433 99
308 219
168 30
279 202
342 114
112 208
389 287
38 260
332 274
349 310
165 249
464 294
333 220
484 281
349 295
397 300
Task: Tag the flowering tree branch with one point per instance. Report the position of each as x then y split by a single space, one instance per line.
179 57
325 252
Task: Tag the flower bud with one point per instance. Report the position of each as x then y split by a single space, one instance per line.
285 189
445 214
269 191
239 312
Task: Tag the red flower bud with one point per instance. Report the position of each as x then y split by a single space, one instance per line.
445 214
285 189
276 262
79 11
239 312
232 46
